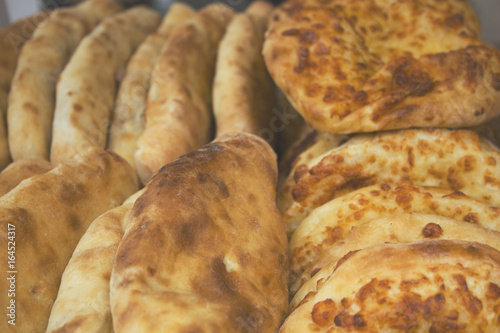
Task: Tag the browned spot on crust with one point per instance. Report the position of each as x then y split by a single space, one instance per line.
432 230
493 291
471 218
323 313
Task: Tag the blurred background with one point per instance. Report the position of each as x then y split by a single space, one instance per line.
11 10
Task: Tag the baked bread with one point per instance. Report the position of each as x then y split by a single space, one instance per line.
459 160
402 228
329 224
42 59
12 39
429 286
49 213
87 86
350 66
178 113
128 112
82 303
206 249
243 92
20 170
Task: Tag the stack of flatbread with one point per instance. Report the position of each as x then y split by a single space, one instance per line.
93 252
391 209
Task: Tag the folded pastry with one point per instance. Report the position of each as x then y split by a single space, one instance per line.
403 228
206 249
178 113
363 66
429 286
87 86
46 215
20 170
243 92
12 38
42 59
128 113
459 160
329 224
82 303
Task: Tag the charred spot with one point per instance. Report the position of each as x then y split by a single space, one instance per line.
188 232
290 32
314 271
338 28
323 313
454 21
411 157
303 55
432 230
479 113
471 218
74 221
472 303
308 36
491 161
495 82
454 180
358 320
493 291
330 95
151 271
360 96
209 180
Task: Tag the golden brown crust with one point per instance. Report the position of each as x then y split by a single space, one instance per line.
402 228
50 213
459 160
82 303
430 286
42 59
211 225
20 170
350 66
327 225
12 39
87 86
243 92
128 111
178 116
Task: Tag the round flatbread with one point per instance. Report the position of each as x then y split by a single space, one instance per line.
430 286
403 228
329 224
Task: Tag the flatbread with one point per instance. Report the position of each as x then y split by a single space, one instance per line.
87 86
350 66
128 112
42 59
206 250
459 160
402 228
82 303
12 39
178 114
243 92
330 223
430 286
50 212
20 170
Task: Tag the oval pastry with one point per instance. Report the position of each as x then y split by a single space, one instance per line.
362 66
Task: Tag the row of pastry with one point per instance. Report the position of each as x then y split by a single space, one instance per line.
392 213
95 75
